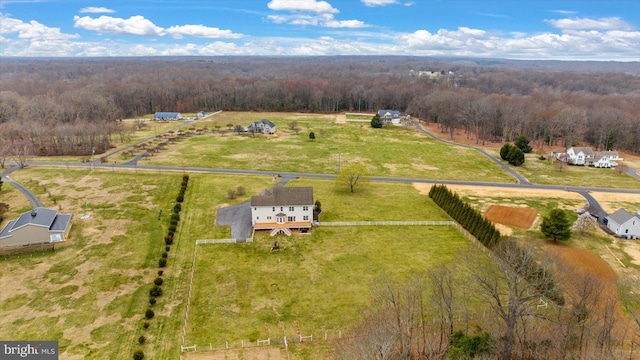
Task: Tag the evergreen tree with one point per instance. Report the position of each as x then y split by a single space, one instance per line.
522 142
515 156
376 122
556 226
504 151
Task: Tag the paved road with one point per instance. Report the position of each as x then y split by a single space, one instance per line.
33 199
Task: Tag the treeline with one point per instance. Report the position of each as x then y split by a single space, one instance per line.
494 101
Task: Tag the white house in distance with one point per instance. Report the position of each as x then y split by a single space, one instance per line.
624 224
162 115
263 126
586 156
283 209
38 226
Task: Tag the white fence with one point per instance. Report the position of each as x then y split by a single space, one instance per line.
386 223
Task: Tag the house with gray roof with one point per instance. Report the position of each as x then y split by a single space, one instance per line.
163 115
263 126
624 224
578 155
283 209
38 226
391 116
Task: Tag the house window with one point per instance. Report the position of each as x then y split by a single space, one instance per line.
268 217
280 208
257 217
305 208
626 231
291 218
255 208
273 208
291 208
306 217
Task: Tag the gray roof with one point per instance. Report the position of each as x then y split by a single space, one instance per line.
621 216
48 218
394 113
284 196
264 122
586 150
162 114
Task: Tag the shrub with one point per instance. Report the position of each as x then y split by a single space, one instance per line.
231 194
149 314
158 281
155 291
168 240
177 208
240 191
185 178
180 198
152 301
165 255
138 355
167 248
142 340
160 272
162 262
172 228
175 217
145 325
504 151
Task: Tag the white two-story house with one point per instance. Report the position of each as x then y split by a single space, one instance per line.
283 209
624 224
586 156
263 126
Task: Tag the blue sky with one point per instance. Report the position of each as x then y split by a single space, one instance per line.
514 29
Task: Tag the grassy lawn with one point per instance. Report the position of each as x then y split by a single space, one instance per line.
399 152
91 293
551 173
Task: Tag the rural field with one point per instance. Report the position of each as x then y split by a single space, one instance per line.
399 152
92 292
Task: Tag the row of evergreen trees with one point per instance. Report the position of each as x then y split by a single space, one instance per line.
468 217
483 230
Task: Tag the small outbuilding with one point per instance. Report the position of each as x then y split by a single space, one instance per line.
38 226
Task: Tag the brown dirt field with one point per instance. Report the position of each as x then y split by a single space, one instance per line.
511 216
574 261
248 353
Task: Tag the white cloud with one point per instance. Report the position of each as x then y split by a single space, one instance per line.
373 3
201 31
135 25
610 23
32 30
96 10
321 7
410 3
564 12
323 20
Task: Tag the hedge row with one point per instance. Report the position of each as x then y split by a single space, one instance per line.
156 289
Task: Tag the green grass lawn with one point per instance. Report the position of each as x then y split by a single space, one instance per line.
392 151
552 173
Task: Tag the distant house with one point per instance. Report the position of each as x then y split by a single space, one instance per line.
201 114
263 126
283 209
624 224
38 226
391 116
167 116
589 157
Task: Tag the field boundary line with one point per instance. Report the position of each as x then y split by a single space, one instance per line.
385 223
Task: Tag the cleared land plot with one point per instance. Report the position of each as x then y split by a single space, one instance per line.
611 202
316 283
399 152
511 216
91 294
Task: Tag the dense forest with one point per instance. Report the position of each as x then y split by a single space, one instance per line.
71 106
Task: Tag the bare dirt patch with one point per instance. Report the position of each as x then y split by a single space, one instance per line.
341 119
248 353
511 216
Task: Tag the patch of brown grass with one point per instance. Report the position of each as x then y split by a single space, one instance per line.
511 216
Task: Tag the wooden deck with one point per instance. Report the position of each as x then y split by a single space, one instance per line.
287 225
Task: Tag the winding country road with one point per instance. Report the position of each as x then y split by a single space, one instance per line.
228 218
